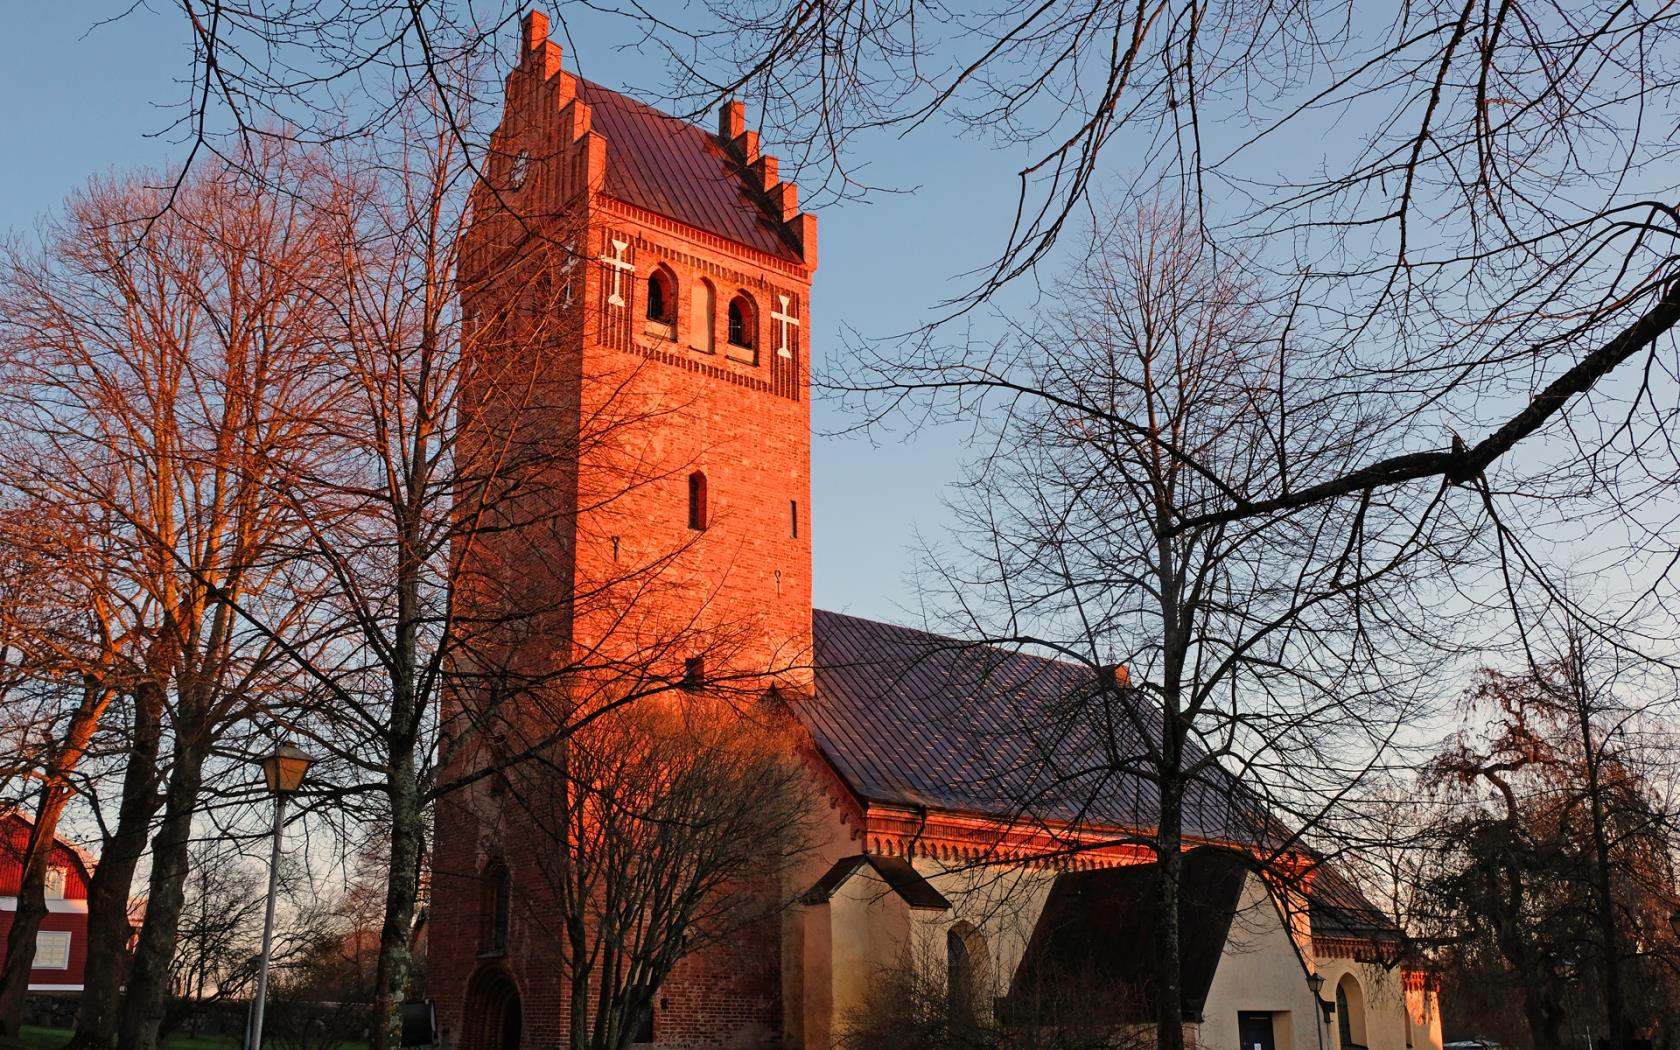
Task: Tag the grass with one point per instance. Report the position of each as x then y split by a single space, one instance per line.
34 1038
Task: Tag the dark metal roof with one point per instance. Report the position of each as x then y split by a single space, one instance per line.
896 872
916 719
673 168
1338 909
1096 930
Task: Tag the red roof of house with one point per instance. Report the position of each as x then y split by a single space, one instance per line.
673 168
15 826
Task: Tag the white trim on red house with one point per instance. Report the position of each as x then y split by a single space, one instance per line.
57 906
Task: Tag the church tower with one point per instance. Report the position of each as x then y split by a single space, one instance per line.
652 279
677 269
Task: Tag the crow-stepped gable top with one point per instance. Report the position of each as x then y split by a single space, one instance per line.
719 183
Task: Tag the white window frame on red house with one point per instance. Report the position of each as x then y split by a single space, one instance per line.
52 950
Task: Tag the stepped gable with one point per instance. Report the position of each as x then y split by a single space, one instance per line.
673 168
915 719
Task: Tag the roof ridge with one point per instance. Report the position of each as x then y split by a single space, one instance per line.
955 642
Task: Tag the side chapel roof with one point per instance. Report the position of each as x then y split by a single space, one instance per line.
915 719
896 872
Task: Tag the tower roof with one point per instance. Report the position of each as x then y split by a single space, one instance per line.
673 168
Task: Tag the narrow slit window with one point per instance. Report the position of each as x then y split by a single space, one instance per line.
498 900
697 501
694 672
793 517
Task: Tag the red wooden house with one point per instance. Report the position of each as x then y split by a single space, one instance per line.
61 945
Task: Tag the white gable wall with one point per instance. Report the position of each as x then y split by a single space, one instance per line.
1261 972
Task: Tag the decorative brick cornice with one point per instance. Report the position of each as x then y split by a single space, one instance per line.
797 271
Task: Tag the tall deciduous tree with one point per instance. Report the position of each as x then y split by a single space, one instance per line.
1556 851
662 829
1252 697
160 375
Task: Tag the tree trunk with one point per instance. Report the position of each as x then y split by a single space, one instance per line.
402 886
31 909
1604 910
148 983
108 921
1169 976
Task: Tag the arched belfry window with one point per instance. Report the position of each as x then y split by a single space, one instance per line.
661 296
697 500
742 323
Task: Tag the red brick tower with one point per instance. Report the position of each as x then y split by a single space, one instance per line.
664 273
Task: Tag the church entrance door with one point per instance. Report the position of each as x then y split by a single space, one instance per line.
493 1018
512 1021
1254 1032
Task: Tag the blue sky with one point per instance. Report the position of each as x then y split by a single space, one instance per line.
84 98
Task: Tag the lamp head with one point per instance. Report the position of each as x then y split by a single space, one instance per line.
285 769
1315 982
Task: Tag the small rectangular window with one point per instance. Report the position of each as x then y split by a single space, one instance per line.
793 516
694 672
52 950
54 889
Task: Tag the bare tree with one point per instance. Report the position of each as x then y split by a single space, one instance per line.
660 830
162 384
218 934
1249 697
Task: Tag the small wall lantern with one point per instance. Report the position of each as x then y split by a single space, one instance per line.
1315 984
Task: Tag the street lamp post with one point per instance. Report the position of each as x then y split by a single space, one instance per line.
1315 984
283 771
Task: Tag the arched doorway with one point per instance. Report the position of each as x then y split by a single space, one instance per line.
493 1019
1350 1014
